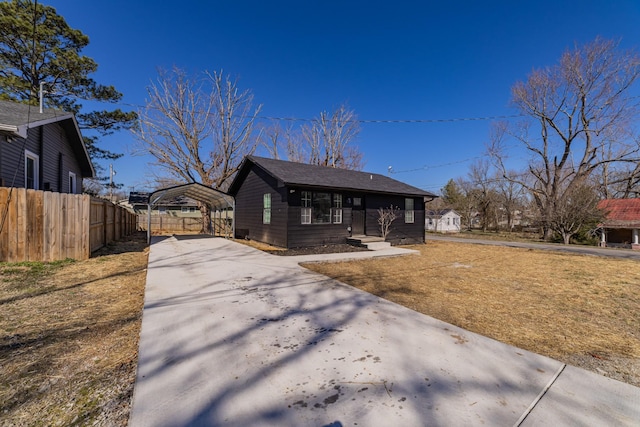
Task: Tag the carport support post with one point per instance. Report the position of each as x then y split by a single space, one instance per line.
211 222
148 223
226 221
233 220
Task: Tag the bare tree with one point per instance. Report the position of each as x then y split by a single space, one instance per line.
467 205
511 196
620 181
386 216
327 141
577 209
284 142
198 129
482 183
579 116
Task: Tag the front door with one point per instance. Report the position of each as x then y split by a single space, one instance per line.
357 217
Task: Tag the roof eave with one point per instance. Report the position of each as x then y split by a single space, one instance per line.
20 131
362 190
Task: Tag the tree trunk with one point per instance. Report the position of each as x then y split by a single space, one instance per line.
205 210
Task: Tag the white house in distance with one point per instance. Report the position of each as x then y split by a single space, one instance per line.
442 221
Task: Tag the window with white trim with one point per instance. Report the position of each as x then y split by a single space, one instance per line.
188 209
337 208
266 208
31 170
72 183
320 208
305 211
409 216
162 210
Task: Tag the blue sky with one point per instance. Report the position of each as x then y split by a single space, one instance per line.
389 60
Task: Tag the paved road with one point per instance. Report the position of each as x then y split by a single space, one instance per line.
585 250
235 337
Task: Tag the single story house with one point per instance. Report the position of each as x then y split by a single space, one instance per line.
291 205
621 228
41 150
443 221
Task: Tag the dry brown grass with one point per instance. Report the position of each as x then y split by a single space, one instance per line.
259 245
582 310
69 338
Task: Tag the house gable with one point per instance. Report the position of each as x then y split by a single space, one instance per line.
249 214
51 137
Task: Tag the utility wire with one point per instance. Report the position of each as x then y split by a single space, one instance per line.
302 119
5 214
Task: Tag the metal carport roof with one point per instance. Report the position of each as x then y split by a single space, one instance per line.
218 200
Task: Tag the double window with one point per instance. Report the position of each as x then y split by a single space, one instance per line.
409 215
320 208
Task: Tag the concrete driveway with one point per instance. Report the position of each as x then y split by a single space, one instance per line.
235 337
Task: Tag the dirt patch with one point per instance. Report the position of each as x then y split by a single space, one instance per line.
69 337
313 250
582 310
316 250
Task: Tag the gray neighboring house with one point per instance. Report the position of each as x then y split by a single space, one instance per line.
41 151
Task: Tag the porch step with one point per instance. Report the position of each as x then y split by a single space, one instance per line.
373 243
376 246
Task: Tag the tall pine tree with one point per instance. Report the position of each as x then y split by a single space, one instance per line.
38 46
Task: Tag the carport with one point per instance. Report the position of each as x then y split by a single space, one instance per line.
219 201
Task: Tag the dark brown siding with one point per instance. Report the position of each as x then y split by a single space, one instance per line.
301 235
286 228
400 232
248 212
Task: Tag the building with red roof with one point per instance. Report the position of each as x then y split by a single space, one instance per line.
622 224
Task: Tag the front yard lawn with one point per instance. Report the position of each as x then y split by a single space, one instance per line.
69 337
582 310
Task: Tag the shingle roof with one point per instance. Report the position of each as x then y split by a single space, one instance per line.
301 174
622 213
14 117
439 213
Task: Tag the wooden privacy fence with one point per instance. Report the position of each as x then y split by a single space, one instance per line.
46 226
163 224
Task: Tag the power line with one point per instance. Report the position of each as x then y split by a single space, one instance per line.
5 212
302 119
425 167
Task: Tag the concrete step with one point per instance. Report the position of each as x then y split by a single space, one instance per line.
373 243
376 246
